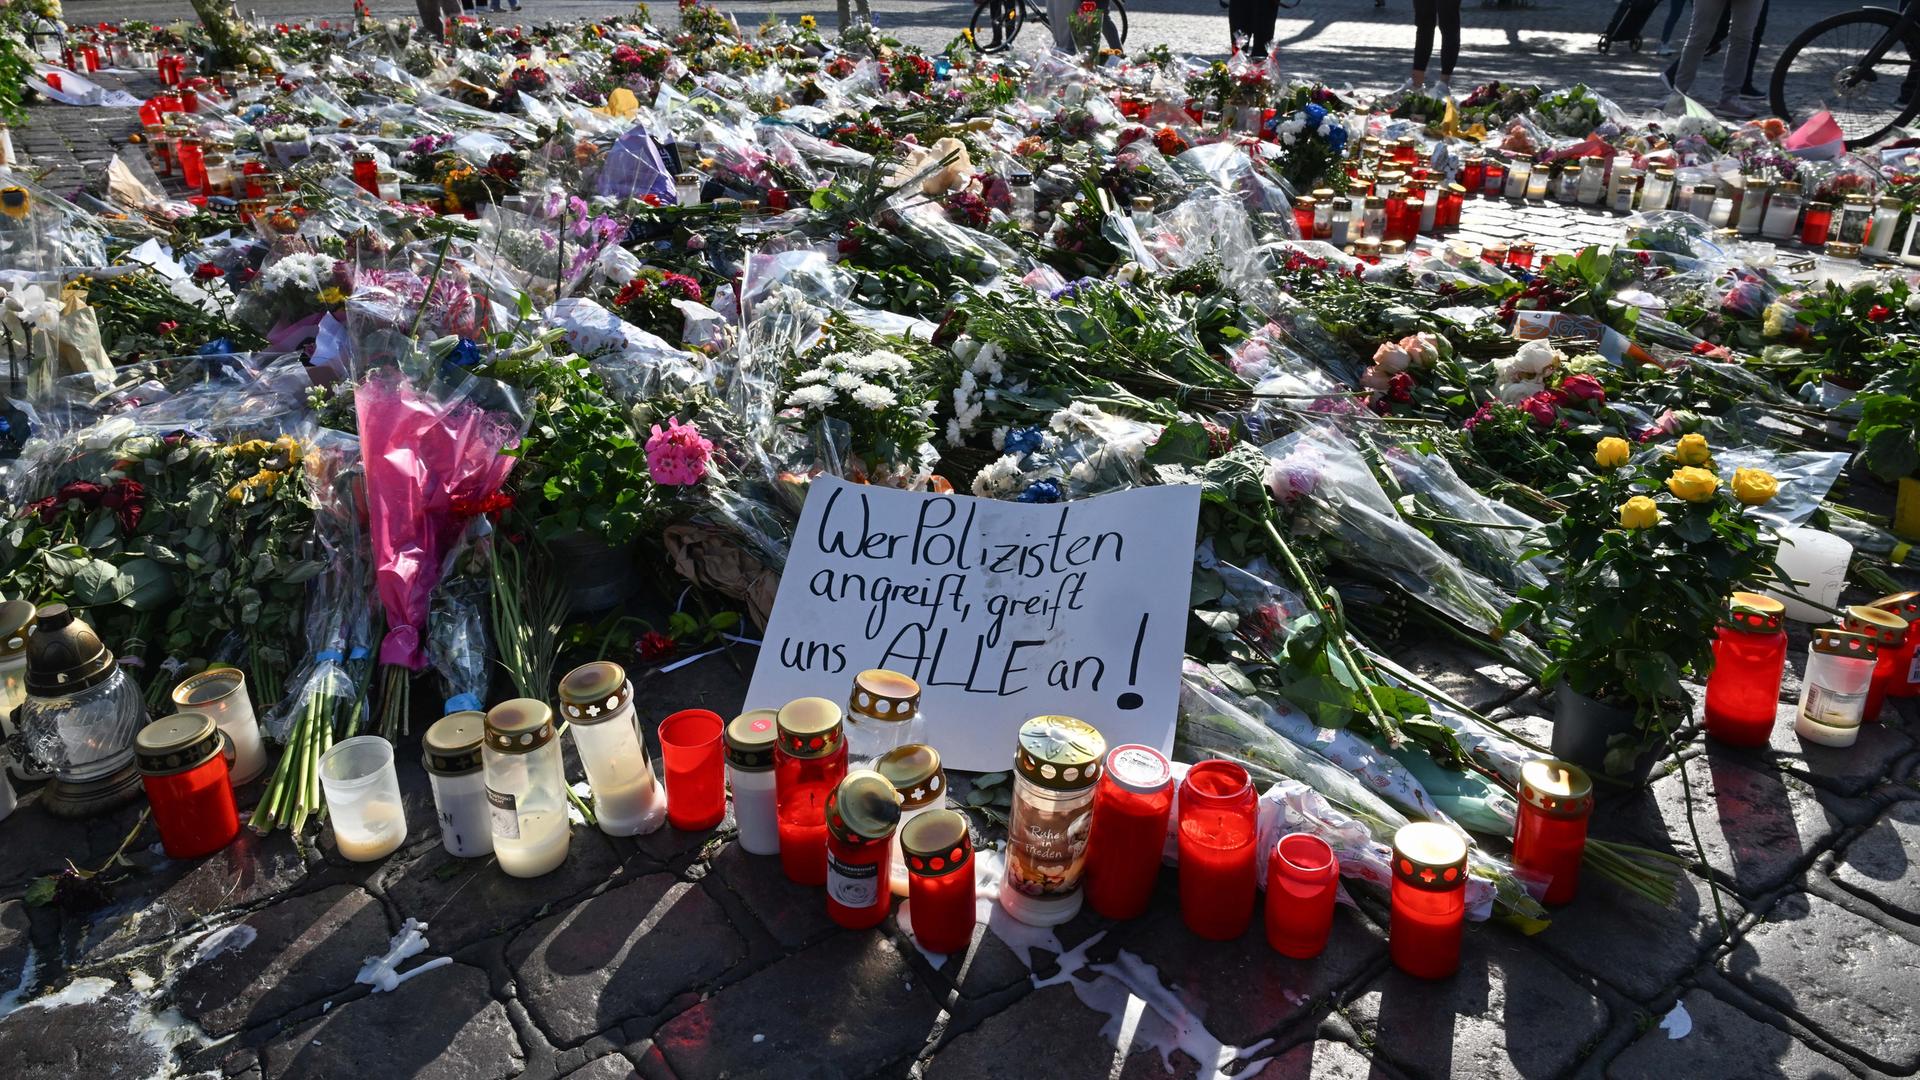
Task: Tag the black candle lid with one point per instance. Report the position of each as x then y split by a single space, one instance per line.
64 655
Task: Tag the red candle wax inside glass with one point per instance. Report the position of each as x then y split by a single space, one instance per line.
1889 633
1556 799
693 757
1429 900
1749 654
1218 827
940 890
1906 666
1473 174
193 806
1814 226
1494 183
809 761
862 813
1129 830
1303 875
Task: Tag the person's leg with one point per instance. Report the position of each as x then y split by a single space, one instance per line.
1747 89
846 15
1706 13
1720 32
1240 20
1265 12
1745 14
1060 16
1425 15
1449 39
1674 8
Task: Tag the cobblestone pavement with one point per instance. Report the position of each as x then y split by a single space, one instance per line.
676 955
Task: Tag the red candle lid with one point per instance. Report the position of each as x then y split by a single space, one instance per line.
1139 769
1429 856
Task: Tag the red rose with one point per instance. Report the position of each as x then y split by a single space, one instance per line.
1400 387
207 271
1540 408
654 645
1879 313
1584 388
127 500
165 327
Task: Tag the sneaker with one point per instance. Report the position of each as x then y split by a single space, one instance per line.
1666 77
1666 49
1732 108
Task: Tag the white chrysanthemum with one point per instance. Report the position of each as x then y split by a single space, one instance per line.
811 397
813 375
1002 477
1000 433
876 397
955 435
850 382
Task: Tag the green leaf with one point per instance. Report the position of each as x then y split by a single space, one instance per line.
1183 442
41 892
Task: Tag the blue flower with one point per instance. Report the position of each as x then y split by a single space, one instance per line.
1337 138
466 353
1041 491
1025 440
1314 114
217 347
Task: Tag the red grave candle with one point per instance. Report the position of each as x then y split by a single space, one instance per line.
1452 199
1816 223
809 761
1556 799
1129 831
1749 653
183 766
862 812
1218 826
1303 874
1494 183
1303 212
1888 632
366 172
693 759
192 160
1429 900
939 855
1906 666
1473 173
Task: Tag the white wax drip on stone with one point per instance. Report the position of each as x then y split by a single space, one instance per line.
383 972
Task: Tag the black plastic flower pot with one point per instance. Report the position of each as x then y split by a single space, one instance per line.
1582 730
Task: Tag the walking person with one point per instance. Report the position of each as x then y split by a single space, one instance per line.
1253 20
1747 89
1427 16
1674 8
436 16
846 16
1742 15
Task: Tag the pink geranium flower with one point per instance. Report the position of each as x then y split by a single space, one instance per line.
678 456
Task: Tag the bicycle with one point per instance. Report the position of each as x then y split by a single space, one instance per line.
1858 65
1017 13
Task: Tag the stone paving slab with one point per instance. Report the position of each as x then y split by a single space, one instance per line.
94 1035
1723 1042
1509 1012
1632 944
629 952
1883 862
1847 978
442 1027
611 1067
465 900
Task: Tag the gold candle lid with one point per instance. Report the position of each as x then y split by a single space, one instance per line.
177 743
210 686
1060 752
936 843
16 625
809 727
750 738
1877 625
880 694
1830 642
452 744
1906 605
914 771
1753 613
519 726
863 806
1430 857
1556 788
593 692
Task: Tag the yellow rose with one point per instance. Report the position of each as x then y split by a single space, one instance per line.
1639 512
1755 487
1692 450
1611 453
1693 485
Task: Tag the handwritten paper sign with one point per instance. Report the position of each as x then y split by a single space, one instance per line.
1002 611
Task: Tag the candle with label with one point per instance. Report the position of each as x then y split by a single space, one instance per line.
862 812
756 810
525 788
452 748
1055 768
1833 690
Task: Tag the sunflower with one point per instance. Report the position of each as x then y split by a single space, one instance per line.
15 202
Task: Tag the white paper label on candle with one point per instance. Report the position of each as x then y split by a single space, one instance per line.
1913 669
506 814
852 886
1826 706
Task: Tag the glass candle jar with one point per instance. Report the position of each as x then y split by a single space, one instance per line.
1833 691
1393 249
1520 255
1218 823
1754 196
366 171
1495 180
1906 681
1429 904
1495 254
1429 205
1131 806
940 892
1888 632
1406 150
1550 836
1620 192
1340 224
1373 221
1783 212
1886 222
192 161
1055 769
526 790
81 714
222 694
1452 203
596 700
1658 192
756 811
1856 213
387 185
16 625
1721 216
1749 654
1406 225
881 712
914 771
1817 562
1540 182
183 766
1305 207
1323 203
1303 878
1816 223
1566 186
1020 195
452 759
363 798
810 760
1592 189
693 756
862 812
1473 172
686 189
1367 251
1519 173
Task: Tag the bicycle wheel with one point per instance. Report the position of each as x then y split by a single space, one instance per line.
981 25
1822 69
1116 24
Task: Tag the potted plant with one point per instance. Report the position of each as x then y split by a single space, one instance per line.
1649 553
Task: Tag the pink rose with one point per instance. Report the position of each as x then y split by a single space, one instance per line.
1584 388
1391 357
1422 348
